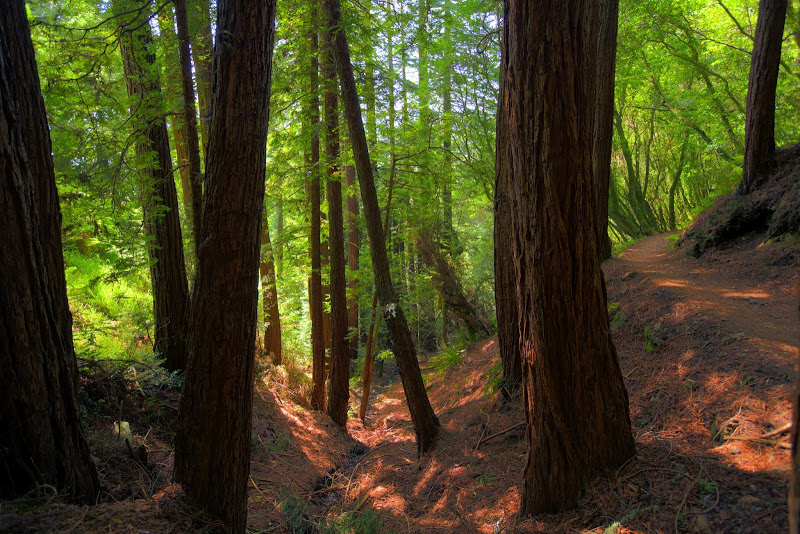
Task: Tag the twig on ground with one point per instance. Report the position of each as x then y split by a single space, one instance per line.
498 434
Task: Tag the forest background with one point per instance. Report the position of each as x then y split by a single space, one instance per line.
428 75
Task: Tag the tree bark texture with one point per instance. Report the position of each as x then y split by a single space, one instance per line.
575 400
315 294
41 440
604 117
505 278
339 387
353 245
759 127
159 196
450 286
426 425
269 297
190 118
212 444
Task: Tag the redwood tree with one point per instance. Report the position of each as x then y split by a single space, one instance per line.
157 188
40 430
604 118
426 425
505 289
269 297
353 245
759 128
339 387
212 444
576 404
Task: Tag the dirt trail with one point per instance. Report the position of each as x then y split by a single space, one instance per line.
749 304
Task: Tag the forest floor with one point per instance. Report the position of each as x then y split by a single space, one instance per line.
707 347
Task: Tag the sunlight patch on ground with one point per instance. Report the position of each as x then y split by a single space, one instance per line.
747 295
672 283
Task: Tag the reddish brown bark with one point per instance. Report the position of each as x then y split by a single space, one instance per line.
604 118
212 444
759 129
339 388
202 53
505 278
426 425
40 430
575 401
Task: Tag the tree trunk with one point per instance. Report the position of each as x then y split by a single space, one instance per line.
353 245
505 289
269 296
41 438
451 291
676 181
159 197
202 53
575 400
339 388
315 294
759 128
172 91
426 425
212 444
190 118
641 208
603 118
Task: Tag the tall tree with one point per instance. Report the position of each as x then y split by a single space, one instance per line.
576 404
40 430
505 289
190 117
315 293
202 54
426 425
269 296
339 388
759 129
157 189
212 444
603 118
353 246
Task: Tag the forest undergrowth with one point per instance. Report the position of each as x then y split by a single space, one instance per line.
706 346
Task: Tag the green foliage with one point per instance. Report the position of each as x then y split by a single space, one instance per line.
353 522
708 487
295 513
446 358
494 377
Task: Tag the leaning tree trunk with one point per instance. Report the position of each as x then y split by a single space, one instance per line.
269 297
604 119
40 430
505 288
575 400
159 196
339 387
426 425
759 127
212 444
450 286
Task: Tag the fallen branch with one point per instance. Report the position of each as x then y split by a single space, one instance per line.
759 439
498 434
